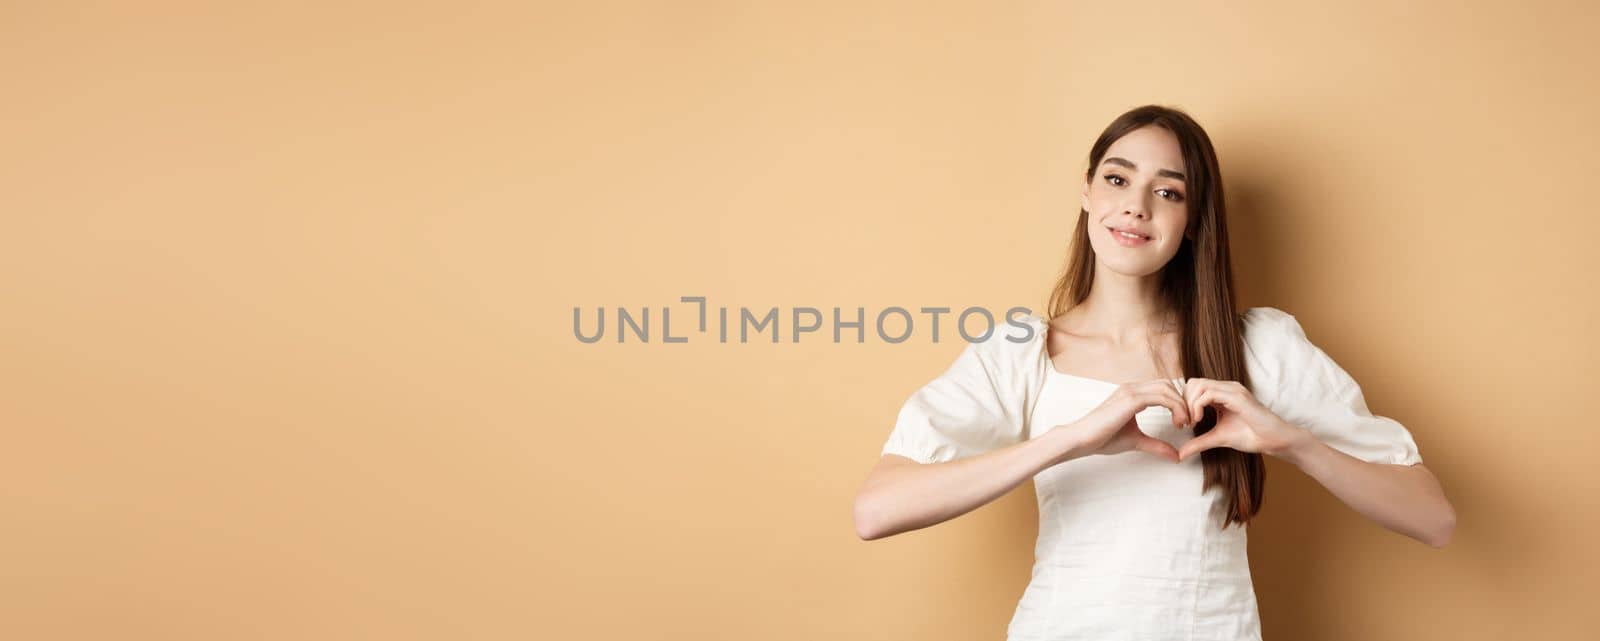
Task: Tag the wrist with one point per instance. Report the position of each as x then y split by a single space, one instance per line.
1301 446
1063 444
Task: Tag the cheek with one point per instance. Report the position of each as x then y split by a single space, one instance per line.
1098 202
1174 217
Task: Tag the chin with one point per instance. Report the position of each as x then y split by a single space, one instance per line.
1129 269
1116 260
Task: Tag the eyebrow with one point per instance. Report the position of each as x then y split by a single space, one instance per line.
1115 160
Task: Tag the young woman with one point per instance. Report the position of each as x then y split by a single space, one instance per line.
1141 408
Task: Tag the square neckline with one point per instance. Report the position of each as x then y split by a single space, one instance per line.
1050 363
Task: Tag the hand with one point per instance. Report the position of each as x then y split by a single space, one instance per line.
1111 428
1243 423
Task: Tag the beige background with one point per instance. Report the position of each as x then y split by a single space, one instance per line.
287 295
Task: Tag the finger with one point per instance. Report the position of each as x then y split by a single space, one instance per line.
1200 401
1219 395
1172 400
1242 396
1158 447
1181 414
1200 444
1192 391
1167 397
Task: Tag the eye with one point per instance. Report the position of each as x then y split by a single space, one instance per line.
1115 180
1170 194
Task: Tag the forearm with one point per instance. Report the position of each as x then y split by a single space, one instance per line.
911 496
1401 498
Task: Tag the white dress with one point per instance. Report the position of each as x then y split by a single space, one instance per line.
1129 547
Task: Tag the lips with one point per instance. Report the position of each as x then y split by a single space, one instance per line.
1141 235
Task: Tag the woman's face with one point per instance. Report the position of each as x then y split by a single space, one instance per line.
1138 187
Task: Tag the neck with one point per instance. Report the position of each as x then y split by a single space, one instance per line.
1124 309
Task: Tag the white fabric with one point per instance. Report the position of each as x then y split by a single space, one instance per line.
1129 547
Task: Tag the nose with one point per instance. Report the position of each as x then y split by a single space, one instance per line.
1136 207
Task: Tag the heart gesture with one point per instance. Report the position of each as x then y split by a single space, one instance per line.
1243 423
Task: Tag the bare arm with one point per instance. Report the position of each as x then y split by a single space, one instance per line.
1402 498
900 495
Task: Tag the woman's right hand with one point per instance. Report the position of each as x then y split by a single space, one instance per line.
1112 427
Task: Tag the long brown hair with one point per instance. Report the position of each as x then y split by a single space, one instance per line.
1197 285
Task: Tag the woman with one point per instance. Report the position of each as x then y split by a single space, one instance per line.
1145 477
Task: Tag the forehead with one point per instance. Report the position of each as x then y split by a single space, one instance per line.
1151 148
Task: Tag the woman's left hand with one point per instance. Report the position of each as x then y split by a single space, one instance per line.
1243 423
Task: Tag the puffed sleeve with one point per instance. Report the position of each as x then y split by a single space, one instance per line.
977 405
1300 383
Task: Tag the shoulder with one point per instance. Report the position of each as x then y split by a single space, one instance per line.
1017 339
1267 328
1010 355
1272 337
1258 319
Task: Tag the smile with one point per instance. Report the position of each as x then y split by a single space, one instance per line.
1128 240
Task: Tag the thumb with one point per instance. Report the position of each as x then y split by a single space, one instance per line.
1200 444
1158 447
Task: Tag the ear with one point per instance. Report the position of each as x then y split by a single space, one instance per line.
1083 197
